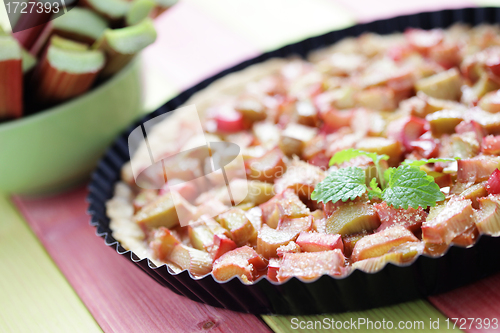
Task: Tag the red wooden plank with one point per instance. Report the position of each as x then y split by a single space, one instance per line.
119 295
479 300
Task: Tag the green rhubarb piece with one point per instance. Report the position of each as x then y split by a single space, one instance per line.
166 3
139 10
444 121
76 62
131 40
352 218
68 44
81 21
9 49
444 85
29 61
114 9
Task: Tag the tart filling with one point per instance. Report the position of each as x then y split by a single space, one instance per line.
373 151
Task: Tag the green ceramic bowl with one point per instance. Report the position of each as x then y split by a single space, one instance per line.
59 147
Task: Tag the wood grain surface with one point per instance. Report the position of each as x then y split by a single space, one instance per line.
119 295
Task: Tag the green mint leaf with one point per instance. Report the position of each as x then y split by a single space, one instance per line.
410 186
348 154
388 174
344 184
419 163
375 191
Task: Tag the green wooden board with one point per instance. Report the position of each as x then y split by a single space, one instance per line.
416 315
34 295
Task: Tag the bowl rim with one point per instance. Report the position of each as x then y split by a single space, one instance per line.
67 106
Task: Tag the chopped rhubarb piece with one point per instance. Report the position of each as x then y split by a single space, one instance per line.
121 45
144 198
442 179
350 241
406 130
381 146
471 126
308 266
307 114
80 24
335 119
301 177
76 69
221 245
197 262
163 242
487 218
476 169
294 137
372 265
351 218
316 242
427 148
424 40
409 250
258 192
295 224
273 268
243 261
268 167
200 236
285 204
454 219
444 85
410 218
251 109
111 9
491 144
378 98
493 64
238 224
467 238
139 10
493 183
162 212
474 192
11 78
380 243
267 133
229 121
491 102
269 240
188 190
445 121
464 145
446 54
291 247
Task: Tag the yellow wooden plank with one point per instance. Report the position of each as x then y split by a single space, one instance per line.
34 295
413 316
488 3
271 24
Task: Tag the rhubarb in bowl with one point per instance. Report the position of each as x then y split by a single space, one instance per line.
372 174
68 87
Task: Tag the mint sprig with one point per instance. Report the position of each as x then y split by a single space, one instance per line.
374 190
402 187
410 186
344 184
419 163
348 154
